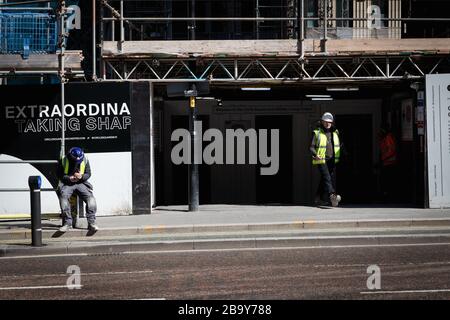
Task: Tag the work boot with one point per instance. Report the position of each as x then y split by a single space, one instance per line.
317 200
93 227
335 199
65 227
322 201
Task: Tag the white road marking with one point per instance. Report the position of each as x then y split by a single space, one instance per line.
115 272
290 248
47 256
40 287
151 299
238 249
81 274
406 291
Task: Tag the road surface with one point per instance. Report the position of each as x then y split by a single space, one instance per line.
407 271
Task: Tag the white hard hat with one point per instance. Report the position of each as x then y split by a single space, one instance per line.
327 117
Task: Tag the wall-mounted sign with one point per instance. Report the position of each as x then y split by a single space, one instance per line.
438 139
420 113
98 119
97 116
407 120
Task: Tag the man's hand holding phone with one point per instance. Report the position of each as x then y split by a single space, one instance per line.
76 177
317 158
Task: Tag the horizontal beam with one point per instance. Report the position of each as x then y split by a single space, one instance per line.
278 70
23 190
262 19
40 63
271 48
28 161
272 81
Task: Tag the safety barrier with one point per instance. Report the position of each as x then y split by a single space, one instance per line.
27 32
35 183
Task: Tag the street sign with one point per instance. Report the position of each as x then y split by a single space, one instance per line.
186 89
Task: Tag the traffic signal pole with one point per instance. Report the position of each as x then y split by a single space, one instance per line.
193 167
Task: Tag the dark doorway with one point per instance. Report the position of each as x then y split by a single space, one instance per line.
276 188
355 175
180 172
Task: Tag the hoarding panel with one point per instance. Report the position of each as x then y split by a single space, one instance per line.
438 139
98 119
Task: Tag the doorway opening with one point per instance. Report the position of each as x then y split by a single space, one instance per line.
356 179
276 189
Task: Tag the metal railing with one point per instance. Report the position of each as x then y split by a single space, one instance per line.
125 28
26 162
27 32
77 207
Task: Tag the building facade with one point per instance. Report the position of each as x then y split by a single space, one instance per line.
276 64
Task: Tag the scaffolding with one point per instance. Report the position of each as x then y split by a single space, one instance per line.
281 61
275 29
30 41
135 43
27 32
282 70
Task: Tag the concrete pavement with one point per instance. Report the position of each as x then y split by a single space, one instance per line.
174 225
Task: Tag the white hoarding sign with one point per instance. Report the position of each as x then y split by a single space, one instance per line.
438 139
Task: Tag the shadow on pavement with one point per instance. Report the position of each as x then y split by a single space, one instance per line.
90 233
178 210
57 234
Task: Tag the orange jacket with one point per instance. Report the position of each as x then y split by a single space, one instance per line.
388 150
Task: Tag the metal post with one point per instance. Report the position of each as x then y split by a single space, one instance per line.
34 182
193 167
62 36
301 27
325 27
94 49
102 38
80 208
257 21
113 30
122 31
193 21
63 120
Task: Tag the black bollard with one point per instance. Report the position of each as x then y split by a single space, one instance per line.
34 182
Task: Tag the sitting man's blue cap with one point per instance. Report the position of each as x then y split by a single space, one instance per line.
76 154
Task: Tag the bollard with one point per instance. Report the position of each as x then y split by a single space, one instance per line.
34 182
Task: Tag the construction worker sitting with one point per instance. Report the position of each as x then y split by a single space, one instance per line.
74 172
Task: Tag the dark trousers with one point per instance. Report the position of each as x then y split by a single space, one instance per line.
327 179
389 178
85 193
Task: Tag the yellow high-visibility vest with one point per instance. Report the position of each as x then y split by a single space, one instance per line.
321 146
65 163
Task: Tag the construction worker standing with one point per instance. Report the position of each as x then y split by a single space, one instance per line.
388 148
388 152
73 172
326 150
